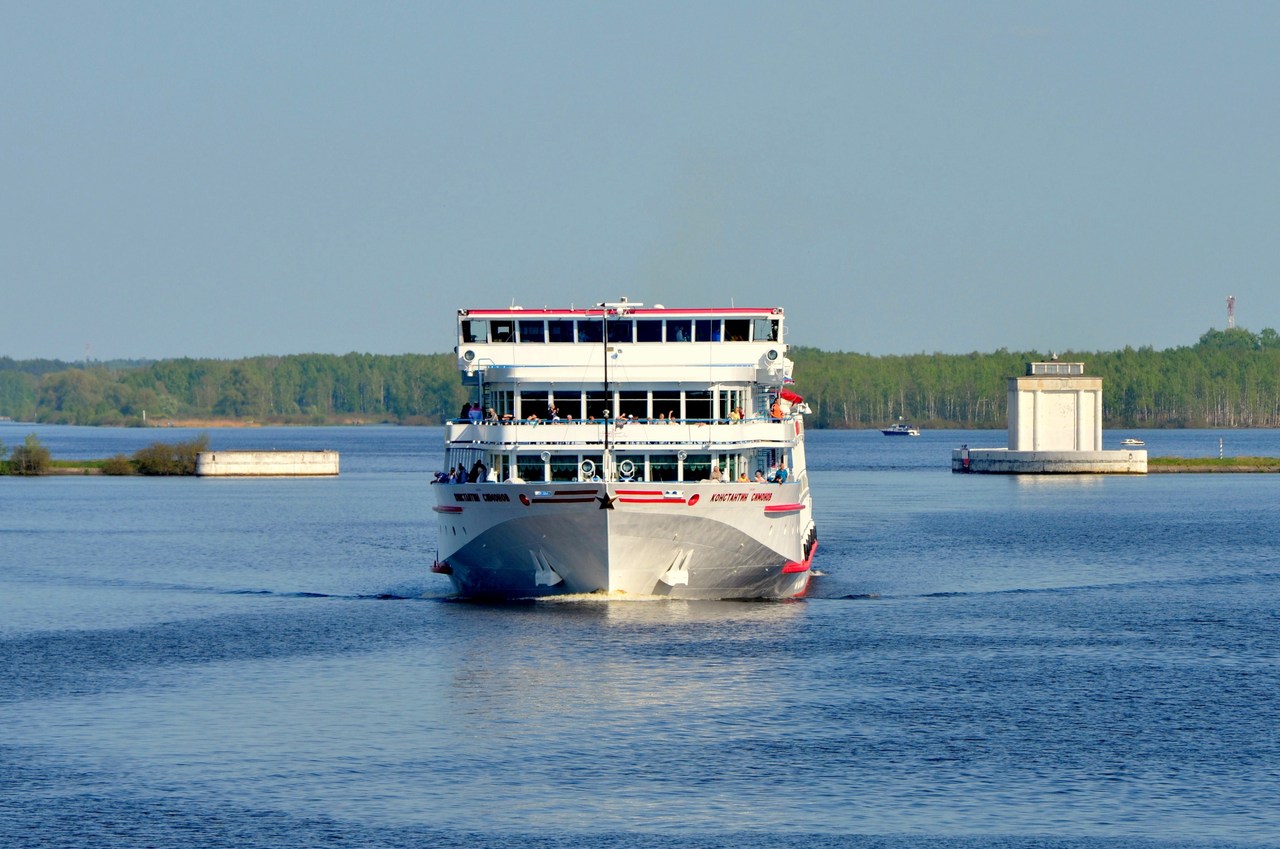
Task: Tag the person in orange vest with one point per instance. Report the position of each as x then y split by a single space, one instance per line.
776 409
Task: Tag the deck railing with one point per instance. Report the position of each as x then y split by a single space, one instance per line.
629 433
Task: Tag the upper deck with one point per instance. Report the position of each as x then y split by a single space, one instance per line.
634 344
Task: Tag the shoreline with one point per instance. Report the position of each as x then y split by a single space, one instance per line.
1213 465
1202 470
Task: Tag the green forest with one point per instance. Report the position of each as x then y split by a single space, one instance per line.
1229 378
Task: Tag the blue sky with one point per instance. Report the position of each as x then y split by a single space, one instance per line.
228 179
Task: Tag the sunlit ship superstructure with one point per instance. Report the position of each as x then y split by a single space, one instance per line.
626 450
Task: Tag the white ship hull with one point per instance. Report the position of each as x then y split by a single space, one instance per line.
687 540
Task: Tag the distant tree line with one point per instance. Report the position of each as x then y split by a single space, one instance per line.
1229 378
297 389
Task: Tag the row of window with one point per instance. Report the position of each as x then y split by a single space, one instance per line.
531 468
594 330
639 404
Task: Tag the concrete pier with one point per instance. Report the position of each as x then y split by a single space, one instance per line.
1055 427
266 463
1002 461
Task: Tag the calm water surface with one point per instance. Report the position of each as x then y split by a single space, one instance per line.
983 662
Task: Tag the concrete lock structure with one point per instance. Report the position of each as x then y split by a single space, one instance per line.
1055 427
266 463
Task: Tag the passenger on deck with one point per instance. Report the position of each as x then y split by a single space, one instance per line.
760 476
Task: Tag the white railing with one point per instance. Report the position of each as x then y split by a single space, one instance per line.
631 434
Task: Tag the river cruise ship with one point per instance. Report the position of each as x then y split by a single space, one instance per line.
625 450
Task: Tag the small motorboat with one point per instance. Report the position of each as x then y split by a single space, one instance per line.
901 429
1132 442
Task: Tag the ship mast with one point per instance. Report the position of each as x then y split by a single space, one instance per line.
622 307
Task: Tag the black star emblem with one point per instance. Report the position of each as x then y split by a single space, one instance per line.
606 501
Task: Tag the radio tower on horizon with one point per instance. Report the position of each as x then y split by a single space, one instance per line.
1231 312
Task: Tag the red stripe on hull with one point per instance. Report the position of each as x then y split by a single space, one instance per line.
793 566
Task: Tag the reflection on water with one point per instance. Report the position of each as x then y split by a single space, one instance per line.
1055 482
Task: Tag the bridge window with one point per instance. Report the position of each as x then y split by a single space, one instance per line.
560 330
766 330
649 330
708 329
620 330
475 330
590 331
502 331
679 330
532 331
737 329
